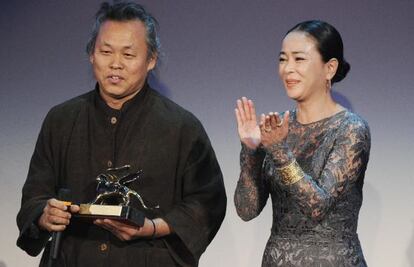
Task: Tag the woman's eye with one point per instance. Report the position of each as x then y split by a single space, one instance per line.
128 55
282 59
299 59
105 52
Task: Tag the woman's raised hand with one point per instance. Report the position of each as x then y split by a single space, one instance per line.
247 126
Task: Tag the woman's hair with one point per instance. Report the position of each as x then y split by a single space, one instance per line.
126 11
329 44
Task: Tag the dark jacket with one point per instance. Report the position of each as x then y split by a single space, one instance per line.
80 139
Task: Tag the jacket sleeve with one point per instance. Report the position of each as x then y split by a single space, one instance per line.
38 188
198 213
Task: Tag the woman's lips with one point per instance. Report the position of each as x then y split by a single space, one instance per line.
291 82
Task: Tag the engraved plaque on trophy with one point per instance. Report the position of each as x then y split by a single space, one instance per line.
114 197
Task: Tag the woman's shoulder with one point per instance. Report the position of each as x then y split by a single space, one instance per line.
356 127
355 121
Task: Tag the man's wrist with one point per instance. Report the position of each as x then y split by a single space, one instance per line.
154 229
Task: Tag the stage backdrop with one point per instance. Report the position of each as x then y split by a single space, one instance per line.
214 52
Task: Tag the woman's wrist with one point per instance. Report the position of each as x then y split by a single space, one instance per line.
275 146
291 173
248 150
280 152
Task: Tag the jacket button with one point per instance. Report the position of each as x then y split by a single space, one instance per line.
103 247
113 120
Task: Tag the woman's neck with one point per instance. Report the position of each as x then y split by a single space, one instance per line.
316 109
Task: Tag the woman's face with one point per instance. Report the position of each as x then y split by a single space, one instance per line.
301 67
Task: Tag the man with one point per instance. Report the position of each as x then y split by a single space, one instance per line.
123 122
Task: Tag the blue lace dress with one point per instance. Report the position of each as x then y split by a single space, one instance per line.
315 219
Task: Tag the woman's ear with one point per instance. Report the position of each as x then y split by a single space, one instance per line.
331 67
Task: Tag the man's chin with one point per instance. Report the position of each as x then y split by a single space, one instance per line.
122 95
117 93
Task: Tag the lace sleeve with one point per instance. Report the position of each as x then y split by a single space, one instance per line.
345 164
251 191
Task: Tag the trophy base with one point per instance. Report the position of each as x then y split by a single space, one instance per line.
125 214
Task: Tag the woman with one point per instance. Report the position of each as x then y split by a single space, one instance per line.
311 160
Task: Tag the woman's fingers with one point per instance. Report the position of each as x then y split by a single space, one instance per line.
246 108
286 118
273 119
273 127
285 122
267 125
262 120
238 118
241 110
252 110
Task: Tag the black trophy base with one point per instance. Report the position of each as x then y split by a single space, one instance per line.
125 214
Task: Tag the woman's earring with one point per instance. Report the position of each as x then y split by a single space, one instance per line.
328 84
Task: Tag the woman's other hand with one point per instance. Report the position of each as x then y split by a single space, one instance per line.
273 128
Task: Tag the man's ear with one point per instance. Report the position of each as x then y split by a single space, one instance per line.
152 61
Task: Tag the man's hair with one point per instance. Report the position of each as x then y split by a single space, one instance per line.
125 11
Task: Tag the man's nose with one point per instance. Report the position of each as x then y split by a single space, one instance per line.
116 62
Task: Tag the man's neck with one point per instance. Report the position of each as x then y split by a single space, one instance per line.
117 103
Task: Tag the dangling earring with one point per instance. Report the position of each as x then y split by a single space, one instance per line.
328 84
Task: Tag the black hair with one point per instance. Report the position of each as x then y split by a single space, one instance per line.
125 11
329 44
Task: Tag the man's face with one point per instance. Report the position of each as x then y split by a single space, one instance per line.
120 60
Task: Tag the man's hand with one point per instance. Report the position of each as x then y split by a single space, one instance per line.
151 228
56 215
125 231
